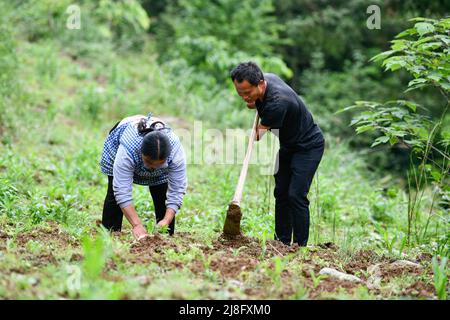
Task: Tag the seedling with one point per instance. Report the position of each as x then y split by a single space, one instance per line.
278 267
440 277
236 251
301 293
160 229
316 279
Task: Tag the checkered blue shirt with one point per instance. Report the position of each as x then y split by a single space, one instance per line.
127 135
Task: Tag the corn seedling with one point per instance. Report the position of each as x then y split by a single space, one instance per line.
275 272
440 277
236 251
316 279
301 293
160 229
263 243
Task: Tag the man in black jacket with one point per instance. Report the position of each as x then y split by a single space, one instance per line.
301 145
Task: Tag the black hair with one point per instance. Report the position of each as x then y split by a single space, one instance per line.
249 71
156 145
144 127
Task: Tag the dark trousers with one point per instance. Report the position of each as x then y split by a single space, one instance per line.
292 182
112 214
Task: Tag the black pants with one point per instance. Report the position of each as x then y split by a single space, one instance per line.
292 182
112 214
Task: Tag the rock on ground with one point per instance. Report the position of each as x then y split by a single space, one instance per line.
339 275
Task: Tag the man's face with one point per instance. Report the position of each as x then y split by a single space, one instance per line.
249 92
152 164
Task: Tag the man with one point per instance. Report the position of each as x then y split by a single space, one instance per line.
301 146
144 151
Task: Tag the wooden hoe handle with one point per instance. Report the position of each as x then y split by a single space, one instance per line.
240 186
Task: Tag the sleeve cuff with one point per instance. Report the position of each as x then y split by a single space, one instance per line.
125 204
174 207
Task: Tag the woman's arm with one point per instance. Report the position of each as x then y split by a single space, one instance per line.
123 172
177 185
130 213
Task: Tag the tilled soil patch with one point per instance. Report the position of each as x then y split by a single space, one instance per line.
363 259
228 257
389 271
241 260
420 289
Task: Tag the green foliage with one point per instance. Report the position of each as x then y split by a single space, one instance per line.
38 20
125 21
9 86
65 89
440 277
192 34
8 194
95 254
423 51
316 279
397 120
275 268
337 29
92 101
334 29
326 92
122 24
8 62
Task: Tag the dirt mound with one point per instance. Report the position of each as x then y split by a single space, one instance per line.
361 260
153 242
253 247
148 250
389 271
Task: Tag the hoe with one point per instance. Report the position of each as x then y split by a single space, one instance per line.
232 225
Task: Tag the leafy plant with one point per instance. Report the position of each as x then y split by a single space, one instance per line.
423 51
95 255
160 229
440 277
124 20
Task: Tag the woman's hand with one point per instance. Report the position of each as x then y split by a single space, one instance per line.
168 217
139 232
163 223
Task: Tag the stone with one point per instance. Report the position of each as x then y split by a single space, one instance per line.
374 280
405 263
339 275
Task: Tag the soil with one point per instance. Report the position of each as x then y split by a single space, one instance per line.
236 260
424 257
389 271
232 225
50 235
420 290
361 260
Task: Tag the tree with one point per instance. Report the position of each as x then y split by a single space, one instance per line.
424 52
214 36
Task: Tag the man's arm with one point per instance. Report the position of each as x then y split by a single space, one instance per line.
260 131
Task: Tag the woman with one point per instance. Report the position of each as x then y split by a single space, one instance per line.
144 151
